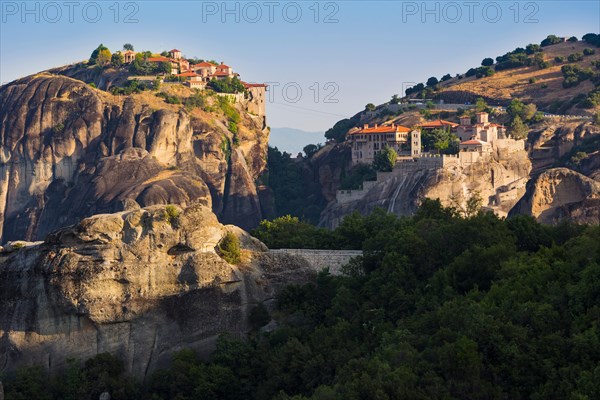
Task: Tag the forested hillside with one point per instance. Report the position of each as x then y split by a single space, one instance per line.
441 306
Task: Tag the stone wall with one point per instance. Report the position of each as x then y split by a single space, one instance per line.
319 259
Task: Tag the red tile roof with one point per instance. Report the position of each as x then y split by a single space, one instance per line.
437 124
223 66
473 142
204 64
188 74
158 59
220 73
382 129
174 50
249 85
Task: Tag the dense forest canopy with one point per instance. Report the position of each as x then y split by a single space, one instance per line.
439 307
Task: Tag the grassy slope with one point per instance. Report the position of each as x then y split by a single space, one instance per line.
514 83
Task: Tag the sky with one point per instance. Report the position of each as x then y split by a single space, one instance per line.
323 60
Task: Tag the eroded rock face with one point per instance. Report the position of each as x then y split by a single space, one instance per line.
141 284
561 194
555 139
499 179
69 151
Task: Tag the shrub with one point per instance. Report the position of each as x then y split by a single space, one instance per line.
550 40
570 81
58 128
172 215
533 48
559 59
532 80
370 107
169 99
197 100
578 157
588 52
592 99
575 57
572 39
544 65
229 249
485 71
544 86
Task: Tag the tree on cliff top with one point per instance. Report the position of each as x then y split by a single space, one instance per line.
339 130
518 130
94 57
128 47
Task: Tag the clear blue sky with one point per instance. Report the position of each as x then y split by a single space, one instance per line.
355 51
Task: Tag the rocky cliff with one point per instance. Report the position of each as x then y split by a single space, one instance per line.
499 179
141 283
561 194
69 151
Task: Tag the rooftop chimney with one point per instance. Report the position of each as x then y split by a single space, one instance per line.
366 126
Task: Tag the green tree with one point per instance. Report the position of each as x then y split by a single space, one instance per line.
165 67
385 159
229 248
104 58
370 107
432 81
395 99
117 60
310 149
550 40
128 47
227 85
481 105
518 129
588 52
524 111
487 62
533 49
339 130
440 141
96 53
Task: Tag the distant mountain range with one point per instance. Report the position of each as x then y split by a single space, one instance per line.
293 140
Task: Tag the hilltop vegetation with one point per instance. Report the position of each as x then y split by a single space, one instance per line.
559 76
441 306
